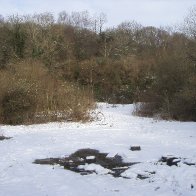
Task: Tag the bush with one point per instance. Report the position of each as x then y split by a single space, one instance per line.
172 94
17 107
183 106
30 94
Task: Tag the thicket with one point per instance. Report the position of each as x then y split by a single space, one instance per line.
75 58
30 94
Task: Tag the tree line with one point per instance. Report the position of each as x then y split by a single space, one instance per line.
128 63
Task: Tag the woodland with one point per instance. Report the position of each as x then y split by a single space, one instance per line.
57 68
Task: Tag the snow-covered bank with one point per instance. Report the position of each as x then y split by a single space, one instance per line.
114 133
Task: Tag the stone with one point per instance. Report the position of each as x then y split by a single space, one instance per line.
135 148
4 138
170 160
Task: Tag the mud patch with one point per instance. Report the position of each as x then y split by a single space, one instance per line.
82 161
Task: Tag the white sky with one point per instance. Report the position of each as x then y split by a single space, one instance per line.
146 12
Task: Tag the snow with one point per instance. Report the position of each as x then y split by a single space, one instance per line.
94 167
90 157
114 131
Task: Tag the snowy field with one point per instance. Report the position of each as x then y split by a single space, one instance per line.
115 131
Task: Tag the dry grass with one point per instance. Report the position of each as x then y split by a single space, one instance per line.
30 94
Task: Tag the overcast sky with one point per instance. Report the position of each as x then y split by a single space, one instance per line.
146 12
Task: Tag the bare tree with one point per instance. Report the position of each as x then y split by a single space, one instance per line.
44 20
190 23
1 19
189 28
81 19
102 20
130 27
64 18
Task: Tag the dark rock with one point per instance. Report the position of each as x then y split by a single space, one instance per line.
142 177
48 161
83 153
116 172
86 172
170 161
189 164
4 138
135 148
157 188
152 172
147 174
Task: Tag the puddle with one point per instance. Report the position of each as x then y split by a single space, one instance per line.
91 161
77 161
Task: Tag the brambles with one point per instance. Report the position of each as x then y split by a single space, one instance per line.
32 95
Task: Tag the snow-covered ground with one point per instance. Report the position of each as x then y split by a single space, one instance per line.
115 131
